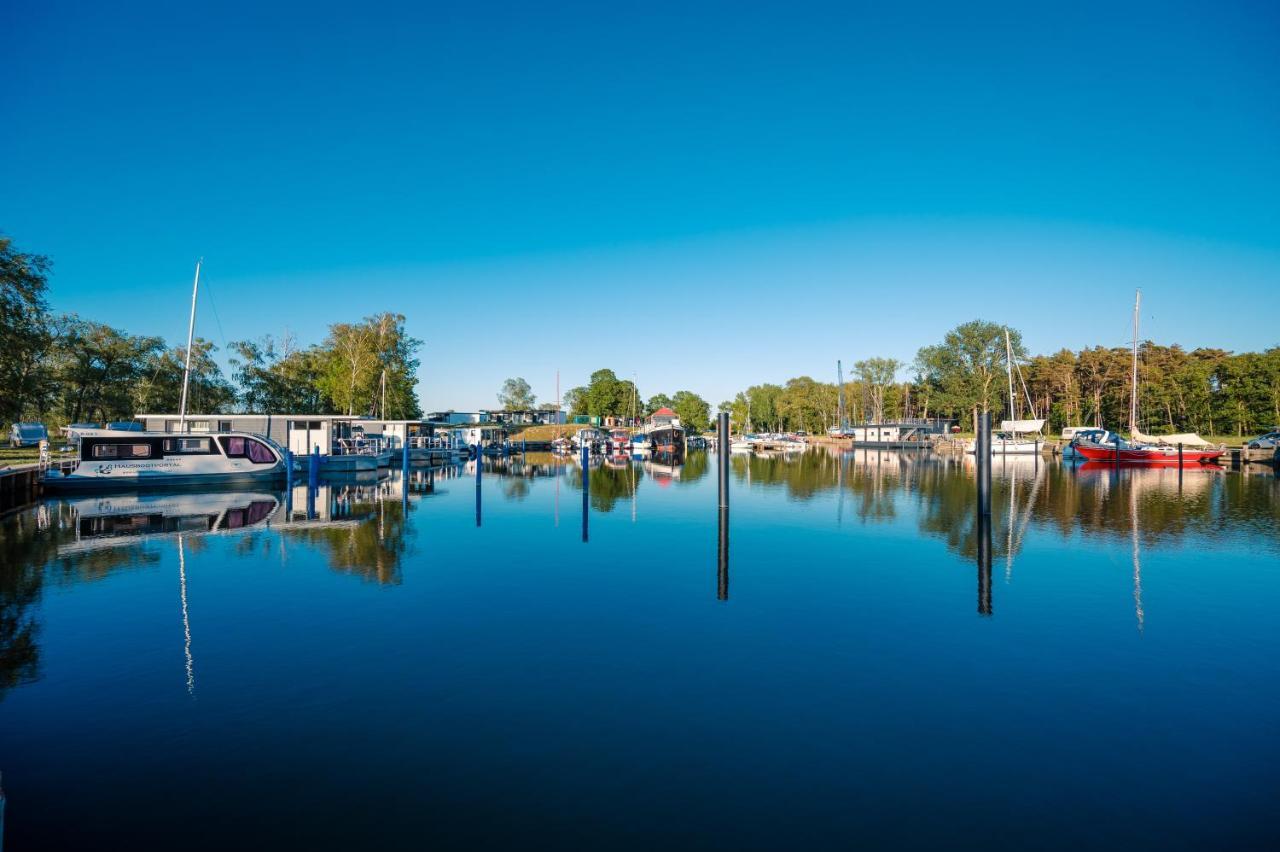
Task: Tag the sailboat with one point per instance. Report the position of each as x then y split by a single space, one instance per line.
1185 448
112 459
1009 440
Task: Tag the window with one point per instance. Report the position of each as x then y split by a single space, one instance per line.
180 446
199 426
224 425
122 451
234 447
258 452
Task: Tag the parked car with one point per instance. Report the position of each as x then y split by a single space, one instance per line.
1269 441
27 434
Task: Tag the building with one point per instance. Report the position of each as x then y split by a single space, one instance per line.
299 433
527 417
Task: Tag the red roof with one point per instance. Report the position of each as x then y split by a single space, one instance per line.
664 412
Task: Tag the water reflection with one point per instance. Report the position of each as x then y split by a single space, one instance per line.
361 526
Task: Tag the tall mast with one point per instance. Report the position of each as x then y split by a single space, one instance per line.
1133 390
1008 365
844 425
186 370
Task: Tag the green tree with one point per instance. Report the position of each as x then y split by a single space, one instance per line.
878 374
963 372
27 333
694 411
516 395
657 401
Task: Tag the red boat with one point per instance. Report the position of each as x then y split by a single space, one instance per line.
1127 453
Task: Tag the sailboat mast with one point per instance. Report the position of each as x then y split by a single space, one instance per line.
1133 390
1008 365
843 423
186 370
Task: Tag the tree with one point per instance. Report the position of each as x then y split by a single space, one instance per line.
516 395
369 367
694 411
878 374
658 401
26 333
962 371
606 395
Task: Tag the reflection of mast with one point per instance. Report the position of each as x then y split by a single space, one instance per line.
186 621
1137 564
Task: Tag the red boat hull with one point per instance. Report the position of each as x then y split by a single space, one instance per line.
1148 455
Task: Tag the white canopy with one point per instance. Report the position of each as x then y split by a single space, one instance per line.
1190 439
1021 425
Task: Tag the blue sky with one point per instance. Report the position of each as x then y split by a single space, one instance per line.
700 195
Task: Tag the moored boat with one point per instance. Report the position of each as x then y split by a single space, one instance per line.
665 432
127 459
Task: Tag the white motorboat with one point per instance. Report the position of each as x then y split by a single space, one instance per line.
640 443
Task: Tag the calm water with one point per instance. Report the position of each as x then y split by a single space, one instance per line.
217 671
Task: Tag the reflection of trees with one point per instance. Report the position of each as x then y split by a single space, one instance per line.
608 484
21 582
695 466
371 545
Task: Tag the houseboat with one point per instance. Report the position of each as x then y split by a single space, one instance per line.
665 432
126 459
901 435
589 437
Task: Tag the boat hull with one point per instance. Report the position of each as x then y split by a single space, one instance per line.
1146 455
74 483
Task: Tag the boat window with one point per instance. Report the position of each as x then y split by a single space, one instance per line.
199 426
178 446
122 451
233 447
258 452
224 425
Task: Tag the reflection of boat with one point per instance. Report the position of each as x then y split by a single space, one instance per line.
126 460
119 518
663 467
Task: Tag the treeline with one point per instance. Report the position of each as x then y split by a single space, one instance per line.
60 368
1211 391
606 395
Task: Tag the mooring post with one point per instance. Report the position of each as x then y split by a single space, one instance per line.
1179 458
313 469
984 563
722 439
722 560
288 470
982 455
1116 443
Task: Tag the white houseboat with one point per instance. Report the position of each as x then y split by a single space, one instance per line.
127 459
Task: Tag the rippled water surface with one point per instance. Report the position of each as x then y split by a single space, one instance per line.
511 665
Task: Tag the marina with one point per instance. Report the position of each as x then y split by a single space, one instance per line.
857 589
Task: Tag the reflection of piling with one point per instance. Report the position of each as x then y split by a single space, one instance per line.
984 563
586 487
479 472
722 560
982 457
722 441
